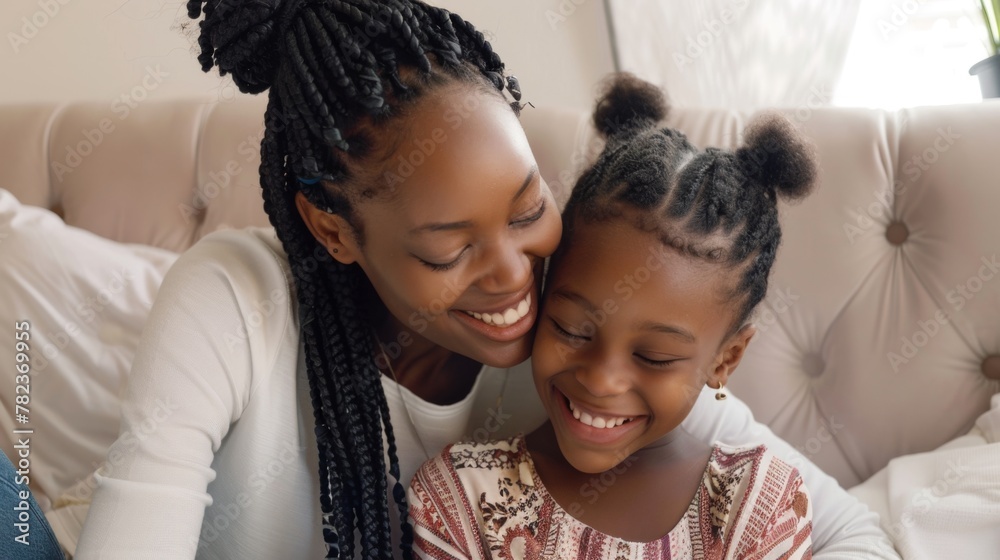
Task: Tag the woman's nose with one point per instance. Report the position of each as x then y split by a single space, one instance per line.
508 270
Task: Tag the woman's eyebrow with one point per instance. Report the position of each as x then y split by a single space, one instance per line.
441 226
527 182
452 226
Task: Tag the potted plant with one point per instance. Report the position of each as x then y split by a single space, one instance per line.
988 69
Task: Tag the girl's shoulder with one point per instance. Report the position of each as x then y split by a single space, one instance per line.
736 470
749 486
498 454
476 464
470 468
730 464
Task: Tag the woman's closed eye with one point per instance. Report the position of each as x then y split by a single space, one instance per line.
531 218
441 267
520 222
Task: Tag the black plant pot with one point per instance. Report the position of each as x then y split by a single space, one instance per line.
988 71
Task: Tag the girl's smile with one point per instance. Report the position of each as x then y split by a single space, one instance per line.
594 427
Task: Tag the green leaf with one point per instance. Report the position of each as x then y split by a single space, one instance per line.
992 25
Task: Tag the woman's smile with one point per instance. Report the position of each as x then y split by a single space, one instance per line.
504 318
513 323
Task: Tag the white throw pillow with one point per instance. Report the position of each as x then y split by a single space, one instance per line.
943 503
85 299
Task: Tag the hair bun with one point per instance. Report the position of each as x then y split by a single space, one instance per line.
242 38
628 104
777 157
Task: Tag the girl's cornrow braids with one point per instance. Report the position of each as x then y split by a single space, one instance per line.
692 195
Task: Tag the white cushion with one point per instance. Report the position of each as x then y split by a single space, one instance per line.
946 502
86 309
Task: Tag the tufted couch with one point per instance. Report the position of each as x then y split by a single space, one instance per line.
881 333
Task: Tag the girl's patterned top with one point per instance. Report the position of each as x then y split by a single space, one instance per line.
485 501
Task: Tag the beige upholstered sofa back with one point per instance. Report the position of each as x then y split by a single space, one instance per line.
881 333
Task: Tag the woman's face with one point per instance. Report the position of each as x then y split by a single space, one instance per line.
630 333
455 252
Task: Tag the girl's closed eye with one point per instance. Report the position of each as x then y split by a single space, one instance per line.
565 332
645 358
656 363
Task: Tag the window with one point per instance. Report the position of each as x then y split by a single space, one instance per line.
913 52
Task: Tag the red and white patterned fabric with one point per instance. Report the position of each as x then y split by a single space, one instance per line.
486 501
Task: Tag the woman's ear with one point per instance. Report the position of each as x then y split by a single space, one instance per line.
730 354
331 230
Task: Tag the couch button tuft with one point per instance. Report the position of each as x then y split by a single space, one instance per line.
897 233
991 367
813 364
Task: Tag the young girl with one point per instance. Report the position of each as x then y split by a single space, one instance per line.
666 251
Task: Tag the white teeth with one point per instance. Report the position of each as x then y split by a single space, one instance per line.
510 316
522 308
507 317
596 421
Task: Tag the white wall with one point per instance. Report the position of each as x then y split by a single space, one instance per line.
558 49
58 50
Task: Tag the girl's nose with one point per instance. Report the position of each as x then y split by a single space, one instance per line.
603 379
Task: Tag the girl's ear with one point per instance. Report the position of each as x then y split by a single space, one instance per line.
730 355
331 230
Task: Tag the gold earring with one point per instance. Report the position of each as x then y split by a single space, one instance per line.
336 250
720 396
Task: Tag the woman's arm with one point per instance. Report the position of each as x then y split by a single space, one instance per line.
843 527
190 380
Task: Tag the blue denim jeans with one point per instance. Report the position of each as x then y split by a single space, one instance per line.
26 532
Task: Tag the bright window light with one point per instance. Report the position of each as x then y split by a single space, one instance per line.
906 53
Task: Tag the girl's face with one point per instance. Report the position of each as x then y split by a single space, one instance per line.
456 251
630 333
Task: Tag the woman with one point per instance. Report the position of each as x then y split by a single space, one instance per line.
397 287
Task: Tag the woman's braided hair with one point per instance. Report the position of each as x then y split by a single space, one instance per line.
338 71
716 205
